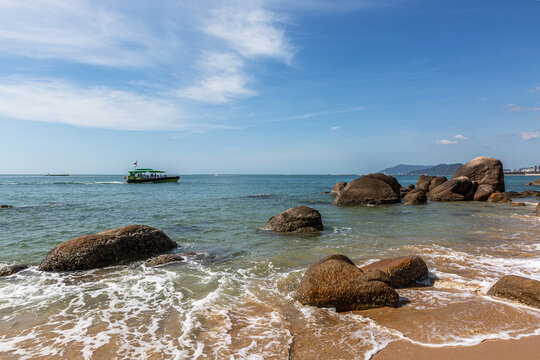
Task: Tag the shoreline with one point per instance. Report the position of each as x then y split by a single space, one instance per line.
519 349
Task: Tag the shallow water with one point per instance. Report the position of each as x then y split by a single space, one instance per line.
236 301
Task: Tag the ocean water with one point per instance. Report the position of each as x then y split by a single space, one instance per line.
235 301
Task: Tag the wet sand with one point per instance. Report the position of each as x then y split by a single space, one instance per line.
522 349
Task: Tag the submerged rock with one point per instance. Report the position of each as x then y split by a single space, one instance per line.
299 219
335 282
373 189
485 171
338 187
169 258
517 288
13 269
416 197
524 194
110 247
402 270
455 189
499 198
535 182
6 206
518 204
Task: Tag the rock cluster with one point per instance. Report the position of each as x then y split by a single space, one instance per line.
13 269
299 219
110 247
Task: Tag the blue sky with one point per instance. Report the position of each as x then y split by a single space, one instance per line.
302 87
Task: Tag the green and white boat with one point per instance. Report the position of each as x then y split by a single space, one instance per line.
137 176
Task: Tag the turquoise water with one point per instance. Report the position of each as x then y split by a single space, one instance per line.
242 288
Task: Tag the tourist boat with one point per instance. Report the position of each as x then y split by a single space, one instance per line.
149 176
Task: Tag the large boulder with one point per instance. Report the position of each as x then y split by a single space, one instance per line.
12 269
335 282
499 198
415 197
110 247
373 189
455 189
299 219
403 270
483 192
424 181
483 170
338 187
517 288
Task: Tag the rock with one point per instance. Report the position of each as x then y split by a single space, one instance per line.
524 194
535 182
110 247
455 189
518 204
337 283
517 288
6 206
499 198
299 219
168 258
538 209
410 187
485 171
424 181
483 192
402 270
437 181
338 187
324 192
13 269
377 275
403 192
528 183
373 189
416 197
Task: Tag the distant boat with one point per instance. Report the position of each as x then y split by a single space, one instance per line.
56 174
137 176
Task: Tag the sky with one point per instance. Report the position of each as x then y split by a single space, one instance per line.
269 86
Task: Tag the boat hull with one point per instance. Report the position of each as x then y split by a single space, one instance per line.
155 181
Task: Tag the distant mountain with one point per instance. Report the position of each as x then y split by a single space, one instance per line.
403 169
441 169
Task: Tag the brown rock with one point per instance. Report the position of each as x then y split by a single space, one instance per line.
455 189
299 219
485 171
6 206
416 197
110 247
335 282
499 198
410 187
374 189
437 181
535 182
538 209
483 192
518 204
168 258
402 270
424 181
524 194
13 269
338 187
517 288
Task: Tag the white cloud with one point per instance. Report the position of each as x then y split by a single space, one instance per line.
77 31
220 88
516 108
461 137
98 107
252 32
530 135
334 128
445 142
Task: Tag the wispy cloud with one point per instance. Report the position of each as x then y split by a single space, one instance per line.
334 128
530 135
516 108
456 139
97 107
76 31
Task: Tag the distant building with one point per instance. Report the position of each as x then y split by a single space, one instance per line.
524 171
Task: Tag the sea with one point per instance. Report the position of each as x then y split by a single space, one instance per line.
234 299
